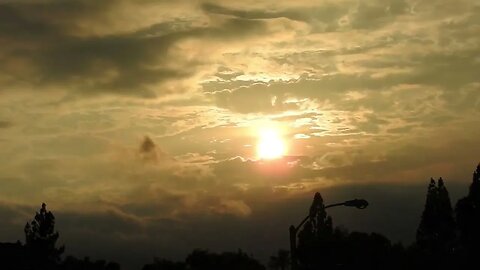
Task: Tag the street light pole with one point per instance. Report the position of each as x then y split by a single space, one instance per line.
357 203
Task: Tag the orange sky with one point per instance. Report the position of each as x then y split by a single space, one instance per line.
363 93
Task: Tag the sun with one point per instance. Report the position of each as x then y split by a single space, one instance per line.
270 144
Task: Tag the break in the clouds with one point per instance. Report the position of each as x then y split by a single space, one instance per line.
134 119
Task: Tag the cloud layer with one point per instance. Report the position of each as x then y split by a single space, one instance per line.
137 121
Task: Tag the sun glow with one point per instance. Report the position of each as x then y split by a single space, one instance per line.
270 144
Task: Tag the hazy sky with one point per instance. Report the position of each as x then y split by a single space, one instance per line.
137 121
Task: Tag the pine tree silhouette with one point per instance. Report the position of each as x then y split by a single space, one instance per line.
468 217
315 237
41 239
321 222
322 246
446 222
426 232
474 191
436 232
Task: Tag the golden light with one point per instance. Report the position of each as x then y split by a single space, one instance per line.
270 144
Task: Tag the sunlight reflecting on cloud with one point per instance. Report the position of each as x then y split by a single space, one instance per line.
153 119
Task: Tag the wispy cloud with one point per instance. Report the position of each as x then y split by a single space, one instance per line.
143 115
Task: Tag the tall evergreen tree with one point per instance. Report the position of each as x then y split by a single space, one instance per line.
41 239
446 226
436 231
316 238
474 191
426 232
468 216
321 222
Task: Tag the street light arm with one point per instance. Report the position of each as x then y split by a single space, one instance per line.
357 203
306 218
335 204
301 223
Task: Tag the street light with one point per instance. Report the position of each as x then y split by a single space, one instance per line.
357 203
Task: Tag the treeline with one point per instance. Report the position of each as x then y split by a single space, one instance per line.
204 260
40 251
446 238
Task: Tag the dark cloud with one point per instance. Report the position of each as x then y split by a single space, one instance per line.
325 17
375 98
45 50
409 162
14 217
131 243
147 145
110 221
375 14
322 19
5 124
460 70
149 151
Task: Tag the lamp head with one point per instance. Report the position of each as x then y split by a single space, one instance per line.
358 203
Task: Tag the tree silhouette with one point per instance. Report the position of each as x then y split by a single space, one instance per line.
323 247
13 256
41 238
446 222
436 231
322 224
163 264
204 260
320 245
281 261
468 218
436 235
426 232
72 263
315 239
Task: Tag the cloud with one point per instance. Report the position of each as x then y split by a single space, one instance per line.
234 207
326 16
148 149
5 124
136 121
135 63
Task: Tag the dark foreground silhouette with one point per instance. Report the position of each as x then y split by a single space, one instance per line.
204 260
446 238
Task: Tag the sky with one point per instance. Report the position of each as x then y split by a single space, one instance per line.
138 122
